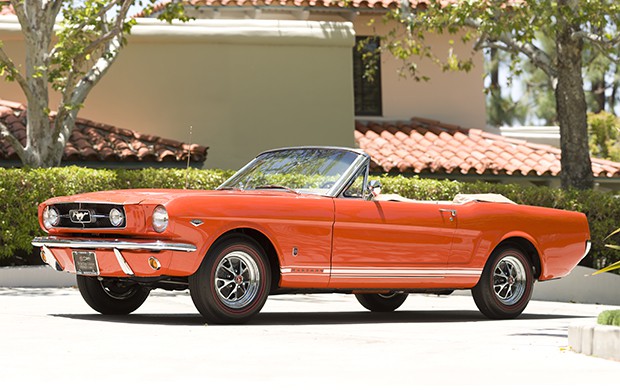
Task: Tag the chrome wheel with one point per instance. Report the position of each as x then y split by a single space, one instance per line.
237 279
509 280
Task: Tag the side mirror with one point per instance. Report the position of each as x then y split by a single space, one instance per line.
374 189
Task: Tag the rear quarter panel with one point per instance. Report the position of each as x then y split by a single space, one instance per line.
559 236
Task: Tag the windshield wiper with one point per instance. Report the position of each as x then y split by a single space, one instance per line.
277 187
228 188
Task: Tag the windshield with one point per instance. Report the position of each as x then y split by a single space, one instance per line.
307 170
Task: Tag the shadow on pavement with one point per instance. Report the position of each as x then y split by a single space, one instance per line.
314 318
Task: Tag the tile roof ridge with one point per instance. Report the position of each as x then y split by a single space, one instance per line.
433 123
372 5
602 161
12 104
6 8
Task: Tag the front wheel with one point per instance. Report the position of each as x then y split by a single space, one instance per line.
505 287
232 283
381 302
112 296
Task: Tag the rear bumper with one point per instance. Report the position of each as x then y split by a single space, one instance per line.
587 250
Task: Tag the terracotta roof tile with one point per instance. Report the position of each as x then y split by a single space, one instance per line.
359 5
425 145
92 141
6 8
319 5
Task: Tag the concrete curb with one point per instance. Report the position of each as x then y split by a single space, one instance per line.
596 340
35 276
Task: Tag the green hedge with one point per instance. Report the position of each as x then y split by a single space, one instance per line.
609 317
21 190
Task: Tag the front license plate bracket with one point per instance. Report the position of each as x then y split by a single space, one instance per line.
85 263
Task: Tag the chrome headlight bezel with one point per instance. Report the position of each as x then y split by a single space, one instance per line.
160 219
51 217
116 217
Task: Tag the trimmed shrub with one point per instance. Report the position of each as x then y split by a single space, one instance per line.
609 317
21 190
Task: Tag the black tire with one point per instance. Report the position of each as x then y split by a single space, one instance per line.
112 296
506 284
233 281
381 302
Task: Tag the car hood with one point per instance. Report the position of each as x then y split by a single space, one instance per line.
159 196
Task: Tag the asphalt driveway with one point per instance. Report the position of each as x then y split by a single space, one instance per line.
51 337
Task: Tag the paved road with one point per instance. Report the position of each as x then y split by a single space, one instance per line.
50 336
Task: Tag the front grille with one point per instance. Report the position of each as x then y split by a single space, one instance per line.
88 215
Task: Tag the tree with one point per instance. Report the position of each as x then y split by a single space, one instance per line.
501 109
603 129
538 99
70 59
513 26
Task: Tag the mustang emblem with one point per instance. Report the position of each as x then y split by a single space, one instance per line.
80 216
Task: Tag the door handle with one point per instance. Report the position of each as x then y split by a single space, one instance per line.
452 213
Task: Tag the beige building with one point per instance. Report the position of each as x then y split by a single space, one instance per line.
246 79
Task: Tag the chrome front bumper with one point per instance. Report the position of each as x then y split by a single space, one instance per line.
85 243
115 245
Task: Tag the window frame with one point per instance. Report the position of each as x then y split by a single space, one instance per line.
364 89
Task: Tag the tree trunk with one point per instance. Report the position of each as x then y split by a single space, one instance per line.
614 89
572 110
598 93
496 116
42 149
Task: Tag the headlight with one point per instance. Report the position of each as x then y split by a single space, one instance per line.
50 217
116 217
160 219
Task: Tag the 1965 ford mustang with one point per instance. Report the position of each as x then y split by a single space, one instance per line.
327 230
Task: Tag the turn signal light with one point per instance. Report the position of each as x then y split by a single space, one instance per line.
154 263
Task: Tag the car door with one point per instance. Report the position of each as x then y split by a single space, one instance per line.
380 244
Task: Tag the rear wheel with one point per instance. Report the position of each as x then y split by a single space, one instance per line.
112 296
381 302
232 283
505 287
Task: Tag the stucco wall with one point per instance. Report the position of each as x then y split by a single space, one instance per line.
250 85
450 97
244 86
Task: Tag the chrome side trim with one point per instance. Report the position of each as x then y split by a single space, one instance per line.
588 247
403 273
85 243
123 263
196 222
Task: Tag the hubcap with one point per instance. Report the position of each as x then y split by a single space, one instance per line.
509 280
237 279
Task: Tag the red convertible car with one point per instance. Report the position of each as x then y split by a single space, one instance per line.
305 220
